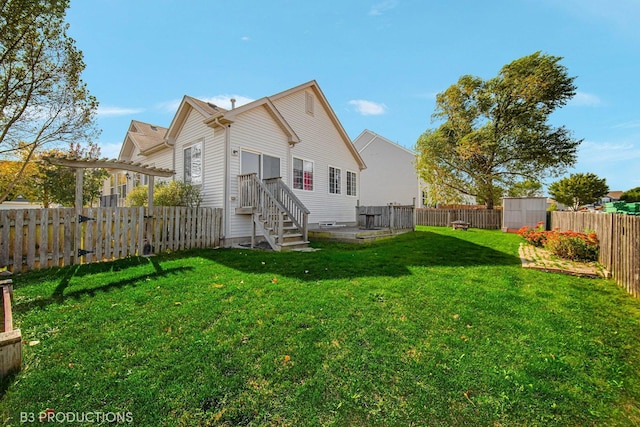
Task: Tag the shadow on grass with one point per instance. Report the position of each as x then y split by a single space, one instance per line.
391 257
67 273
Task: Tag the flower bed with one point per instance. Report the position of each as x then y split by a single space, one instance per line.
570 245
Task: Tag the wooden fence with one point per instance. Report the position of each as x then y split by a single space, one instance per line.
32 239
479 218
395 217
619 237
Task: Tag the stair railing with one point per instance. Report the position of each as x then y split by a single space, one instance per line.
254 193
295 209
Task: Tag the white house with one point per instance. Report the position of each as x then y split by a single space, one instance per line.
276 165
390 177
143 143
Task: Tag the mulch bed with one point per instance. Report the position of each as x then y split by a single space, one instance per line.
541 259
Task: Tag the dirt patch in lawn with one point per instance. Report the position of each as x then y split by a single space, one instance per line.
541 259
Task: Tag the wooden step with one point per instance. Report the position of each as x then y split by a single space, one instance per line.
298 244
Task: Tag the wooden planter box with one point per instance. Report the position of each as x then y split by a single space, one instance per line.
10 339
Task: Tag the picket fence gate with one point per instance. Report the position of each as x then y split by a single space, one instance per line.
32 239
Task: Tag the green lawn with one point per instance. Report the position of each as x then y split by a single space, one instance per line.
436 328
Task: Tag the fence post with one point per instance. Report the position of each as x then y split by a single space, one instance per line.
78 211
10 339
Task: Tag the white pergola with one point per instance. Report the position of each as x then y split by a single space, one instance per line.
80 164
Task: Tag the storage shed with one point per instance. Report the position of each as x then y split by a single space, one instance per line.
520 211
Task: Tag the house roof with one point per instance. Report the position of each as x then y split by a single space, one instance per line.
188 103
313 85
367 137
145 136
215 116
615 194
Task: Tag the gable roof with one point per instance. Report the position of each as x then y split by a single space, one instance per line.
313 85
229 116
216 116
188 103
146 137
367 137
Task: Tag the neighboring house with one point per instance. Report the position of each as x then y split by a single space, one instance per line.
19 203
275 165
390 177
612 196
143 143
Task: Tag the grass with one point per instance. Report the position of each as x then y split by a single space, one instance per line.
436 328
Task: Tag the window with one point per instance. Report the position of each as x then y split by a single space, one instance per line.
193 164
302 174
270 167
263 165
351 183
122 184
334 180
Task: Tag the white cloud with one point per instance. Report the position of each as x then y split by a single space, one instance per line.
603 152
245 38
634 124
368 108
380 8
110 150
583 99
117 111
169 106
224 101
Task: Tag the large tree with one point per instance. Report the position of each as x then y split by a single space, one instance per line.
42 97
495 133
632 195
579 189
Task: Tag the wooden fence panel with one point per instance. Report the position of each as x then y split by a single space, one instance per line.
478 218
390 216
619 237
39 238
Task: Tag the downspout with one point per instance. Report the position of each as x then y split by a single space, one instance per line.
227 184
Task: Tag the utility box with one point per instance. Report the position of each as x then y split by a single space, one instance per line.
520 211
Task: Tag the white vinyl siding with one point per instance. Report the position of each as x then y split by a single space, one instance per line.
335 180
193 130
390 176
255 131
320 141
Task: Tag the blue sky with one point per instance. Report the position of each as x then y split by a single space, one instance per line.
379 63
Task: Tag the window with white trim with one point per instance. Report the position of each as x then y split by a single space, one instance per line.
334 180
302 174
352 183
193 164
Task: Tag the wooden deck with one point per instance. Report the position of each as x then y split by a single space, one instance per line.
353 234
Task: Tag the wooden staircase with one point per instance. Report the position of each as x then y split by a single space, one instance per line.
276 210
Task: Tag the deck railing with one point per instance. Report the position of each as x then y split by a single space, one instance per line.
297 212
254 194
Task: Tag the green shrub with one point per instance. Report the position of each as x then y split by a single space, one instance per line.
138 196
173 193
177 193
